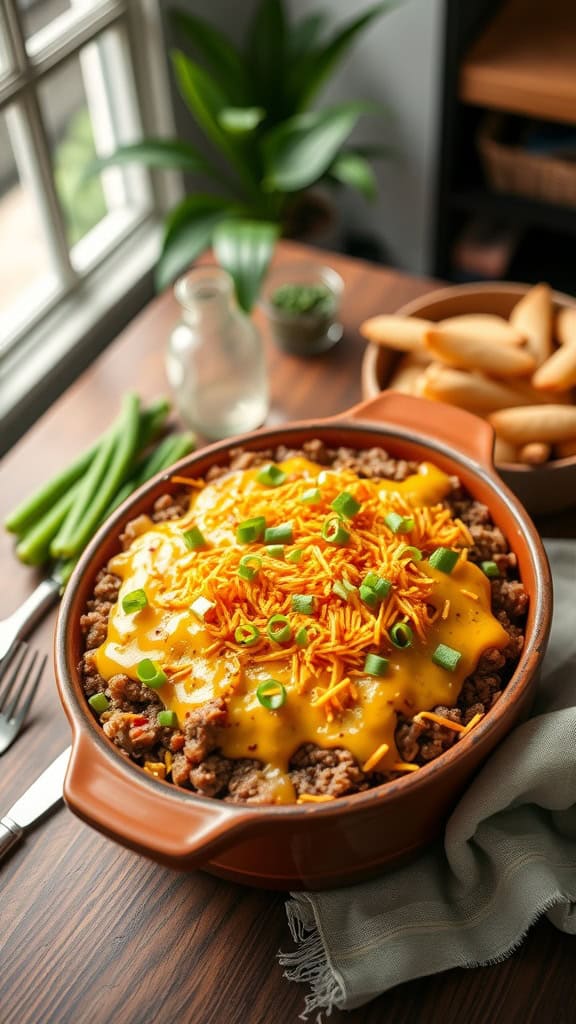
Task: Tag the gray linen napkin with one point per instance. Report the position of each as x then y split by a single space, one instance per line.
508 856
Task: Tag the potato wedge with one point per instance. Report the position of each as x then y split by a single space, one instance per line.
558 372
476 354
403 333
548 423
532 316
485 326
566 326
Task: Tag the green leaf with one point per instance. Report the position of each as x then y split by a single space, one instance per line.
189 229
224 60
352 169
206 100
244 248
241 120
308 75
304 35
301 149
266 56
161 154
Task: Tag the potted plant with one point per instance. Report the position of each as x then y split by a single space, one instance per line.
254 107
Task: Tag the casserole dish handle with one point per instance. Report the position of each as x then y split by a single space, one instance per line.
152 818
463 431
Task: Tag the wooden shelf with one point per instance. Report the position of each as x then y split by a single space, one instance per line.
513 209
525 61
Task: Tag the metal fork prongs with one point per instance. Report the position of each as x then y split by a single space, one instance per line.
20 676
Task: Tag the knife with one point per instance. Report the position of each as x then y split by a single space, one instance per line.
38 799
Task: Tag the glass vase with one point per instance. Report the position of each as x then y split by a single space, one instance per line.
215 361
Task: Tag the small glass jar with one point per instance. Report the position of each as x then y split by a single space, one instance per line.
215 361
304 333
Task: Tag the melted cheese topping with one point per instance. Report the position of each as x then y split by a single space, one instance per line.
331 700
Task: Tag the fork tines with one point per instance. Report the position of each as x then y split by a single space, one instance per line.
20 677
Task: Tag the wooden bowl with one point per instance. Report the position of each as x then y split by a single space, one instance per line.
310 846
547 488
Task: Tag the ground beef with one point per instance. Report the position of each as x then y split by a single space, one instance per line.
249 784
197 762
333 772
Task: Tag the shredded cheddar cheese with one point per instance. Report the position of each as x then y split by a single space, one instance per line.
331 698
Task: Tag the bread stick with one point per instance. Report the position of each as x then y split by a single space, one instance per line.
475 354
407 377
559 371
532 316
403 333
485 326
468 390
504 451
534 453
565 449
550 423
566 326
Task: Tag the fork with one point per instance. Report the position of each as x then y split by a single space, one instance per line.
18 685
19 624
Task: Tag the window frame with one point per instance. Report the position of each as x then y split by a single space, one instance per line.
95 298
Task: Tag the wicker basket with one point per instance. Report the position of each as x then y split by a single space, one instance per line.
512 169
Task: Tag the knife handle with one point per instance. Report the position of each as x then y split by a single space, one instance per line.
10 834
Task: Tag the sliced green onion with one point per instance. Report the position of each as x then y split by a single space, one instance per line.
375 665
401 635
279 629
135 601
270 475
303 603
201 606
278 534
341 591
443 559
446 657
408 551
311 496
490 569
250 530
301 637
194 538
99 702
369 596
150 673
379 584
169 719
247 634
275 551
399 524
345 504
249 567
334 532
295 555
271 694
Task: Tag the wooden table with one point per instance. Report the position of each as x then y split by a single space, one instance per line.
90 932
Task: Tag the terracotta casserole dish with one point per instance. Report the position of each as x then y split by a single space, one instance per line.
317 845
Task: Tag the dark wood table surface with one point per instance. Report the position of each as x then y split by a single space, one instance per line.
90 932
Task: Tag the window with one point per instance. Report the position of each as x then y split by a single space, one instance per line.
77 77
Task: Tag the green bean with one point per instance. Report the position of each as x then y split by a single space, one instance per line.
103 480
168 451
34 547
32 509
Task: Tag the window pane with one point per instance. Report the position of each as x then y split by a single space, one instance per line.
88 110
38 14
4 61
27 280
